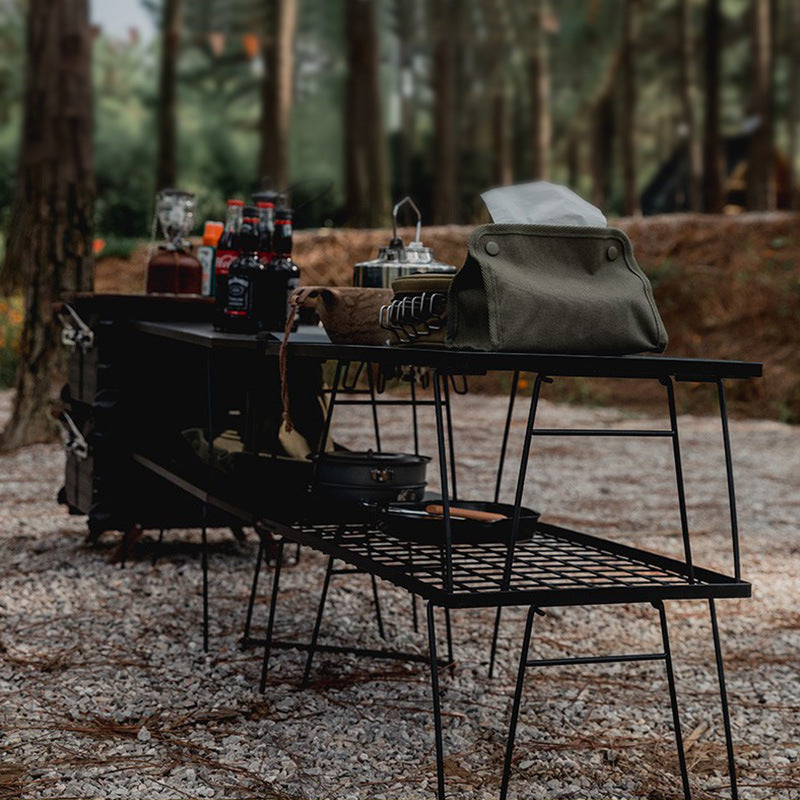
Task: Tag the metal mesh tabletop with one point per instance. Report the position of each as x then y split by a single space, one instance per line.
555 566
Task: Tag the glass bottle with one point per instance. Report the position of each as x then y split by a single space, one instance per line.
241 312
227 253
282 275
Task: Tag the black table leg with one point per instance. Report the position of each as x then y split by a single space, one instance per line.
726 443
673 699
723 693
271 621
437 710
506 431
377 602
320 610
204 564
512 727
676 452
495 633
253 589
523 469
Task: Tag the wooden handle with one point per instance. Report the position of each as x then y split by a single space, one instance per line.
466 513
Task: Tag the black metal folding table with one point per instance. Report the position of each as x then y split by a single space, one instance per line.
553 566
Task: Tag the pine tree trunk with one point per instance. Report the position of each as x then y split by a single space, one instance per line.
366 160
277 92
445 186
406 32
166 170
628 138
539 76
694 148
713 154
761 189
50 234
794 99
602 155
503 172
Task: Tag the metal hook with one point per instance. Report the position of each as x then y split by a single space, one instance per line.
461 388
349 387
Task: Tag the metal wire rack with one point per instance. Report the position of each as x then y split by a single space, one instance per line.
566 566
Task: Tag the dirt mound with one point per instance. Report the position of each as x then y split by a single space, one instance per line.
729 287
726 287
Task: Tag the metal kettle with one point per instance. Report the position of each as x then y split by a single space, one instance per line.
396 259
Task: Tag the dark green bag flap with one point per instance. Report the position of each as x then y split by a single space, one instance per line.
552 289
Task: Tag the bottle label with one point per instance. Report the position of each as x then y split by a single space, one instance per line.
238 297
224 260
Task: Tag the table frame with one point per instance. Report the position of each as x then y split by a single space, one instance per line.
601 572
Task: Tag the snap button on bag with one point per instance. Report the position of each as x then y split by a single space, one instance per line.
492 248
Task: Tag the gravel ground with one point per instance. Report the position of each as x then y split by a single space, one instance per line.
105 690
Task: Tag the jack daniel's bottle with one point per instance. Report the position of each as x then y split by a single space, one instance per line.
242 312
228 248
282 275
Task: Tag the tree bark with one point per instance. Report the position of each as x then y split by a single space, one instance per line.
761 189
445 186
50 234
406 33
366 160
713 154
166 170
602 157
628 138
539 76
503 171
792 113
687 91
277 92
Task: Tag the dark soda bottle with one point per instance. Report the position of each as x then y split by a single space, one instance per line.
227 253
265 201
266 228
282 275
241 312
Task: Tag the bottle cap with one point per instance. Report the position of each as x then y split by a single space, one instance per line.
212 232
265 204
235 202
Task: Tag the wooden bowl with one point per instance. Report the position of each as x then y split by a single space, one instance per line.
349 314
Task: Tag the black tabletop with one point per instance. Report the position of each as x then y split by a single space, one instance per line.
313 343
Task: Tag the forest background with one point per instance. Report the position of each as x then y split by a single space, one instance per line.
665 105
452 97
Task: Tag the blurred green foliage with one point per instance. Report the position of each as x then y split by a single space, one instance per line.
219 105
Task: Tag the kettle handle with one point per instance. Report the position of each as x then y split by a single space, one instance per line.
398 206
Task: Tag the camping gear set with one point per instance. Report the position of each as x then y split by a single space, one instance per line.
547 275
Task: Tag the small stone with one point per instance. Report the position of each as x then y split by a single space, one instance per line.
144 735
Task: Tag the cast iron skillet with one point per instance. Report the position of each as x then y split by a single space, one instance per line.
410 521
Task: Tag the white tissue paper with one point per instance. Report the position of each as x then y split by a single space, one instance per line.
541 203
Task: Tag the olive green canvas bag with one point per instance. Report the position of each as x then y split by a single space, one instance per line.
552 289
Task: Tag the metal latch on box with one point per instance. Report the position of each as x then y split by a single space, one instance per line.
76 332
74 441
